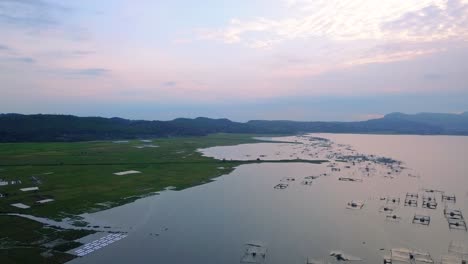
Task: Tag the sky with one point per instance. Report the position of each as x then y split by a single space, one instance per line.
339 60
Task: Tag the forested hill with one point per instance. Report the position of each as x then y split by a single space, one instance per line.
40 128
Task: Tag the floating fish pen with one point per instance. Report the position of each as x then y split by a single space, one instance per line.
428 197
449 198
421 219
281 186
393 200
341 256
307 182
387 209
452 213
349 179
411 199
455 219
393 218
355 205
255 252
288 179
406 255
98 244
429 201
458 224
412 195
432 204
432 191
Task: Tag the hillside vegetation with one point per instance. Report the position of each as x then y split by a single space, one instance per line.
43 128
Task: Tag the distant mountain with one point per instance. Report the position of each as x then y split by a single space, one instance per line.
380 126
40 128
450 123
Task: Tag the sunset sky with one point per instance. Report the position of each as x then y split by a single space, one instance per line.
243 59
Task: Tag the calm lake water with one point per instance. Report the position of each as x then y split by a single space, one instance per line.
212 222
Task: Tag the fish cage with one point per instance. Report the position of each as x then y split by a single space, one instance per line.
458 224
281 186
427 190
307 182
288 179
341 256
393 200
455 219
421 219
393 218
429 201
350 179
412 195
451 213
98 244
255 252
387 209
411 199
409 256
449 198
429 204
355 205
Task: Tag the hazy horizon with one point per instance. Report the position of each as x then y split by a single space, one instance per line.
337 60
364 118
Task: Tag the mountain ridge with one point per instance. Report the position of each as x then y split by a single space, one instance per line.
52 127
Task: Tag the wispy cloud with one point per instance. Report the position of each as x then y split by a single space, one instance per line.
89 72
391 57
434 22
24 59
352 33
350 20
30 13
10 59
